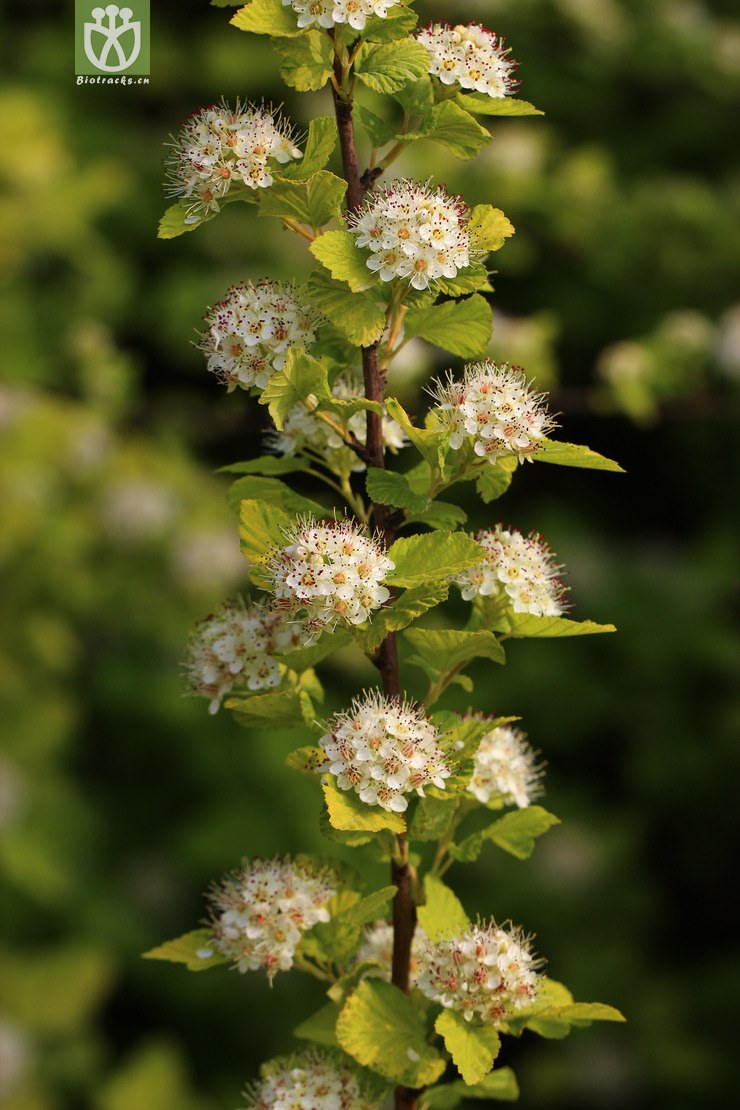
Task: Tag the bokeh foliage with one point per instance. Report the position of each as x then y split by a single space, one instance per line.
119 801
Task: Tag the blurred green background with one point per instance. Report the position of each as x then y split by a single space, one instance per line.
120 800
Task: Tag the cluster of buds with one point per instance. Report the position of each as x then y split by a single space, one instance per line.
413 232
487 973
517 568
470 56
496 408
329 573
311 1081
220 146
506 770
303 432
377 948
260 912
248 334
384 749
235 646
327 13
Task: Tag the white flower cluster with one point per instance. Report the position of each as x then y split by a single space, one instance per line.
235 646
487 973
329 573
261 911
496 407
248 334
312 1081
327 13
377 947
383 749
470 56
413 231
520 567
506 769
220 146
302 431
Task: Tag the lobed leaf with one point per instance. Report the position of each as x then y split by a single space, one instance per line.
488 227
397 24
382 1029
307 63
515 833
473 1048
267 17
184 950
315 201
387 67
301 377
338 252
442 915
461 327
431 557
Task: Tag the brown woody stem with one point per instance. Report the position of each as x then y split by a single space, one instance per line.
386 659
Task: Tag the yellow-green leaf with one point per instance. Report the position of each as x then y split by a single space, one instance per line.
267 17
338 252
488 227
573 454
196 950
442 915
348 814
473 1048
461 327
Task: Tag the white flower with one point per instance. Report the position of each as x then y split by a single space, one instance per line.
520 569
311 1081
486 973
234 647
506 769
470 56
302 431
413 231
327 13
384 749
249 333
260 912
220 146
329 573
496 407
377 947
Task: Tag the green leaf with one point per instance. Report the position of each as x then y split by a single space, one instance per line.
432 556
178 220
348 814
309 761
554 1013
377 130
185 949
360 318
499 1084
369 908
327 643
461 327
515 833
426 441
469 280
321 140
445 649
267 17
416 99
383 1029
399 614
390 488
289 708
266 464
306 63
573 454
253 487
397 24
488 228
432 818
525 625
387 67
473 1048
337 251
453 128
490 106
261 528
320 1027
313 202
495 478
440 515
301 377
442 915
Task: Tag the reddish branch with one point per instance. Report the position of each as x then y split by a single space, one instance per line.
386 660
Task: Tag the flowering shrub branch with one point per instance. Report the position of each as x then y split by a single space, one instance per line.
426 989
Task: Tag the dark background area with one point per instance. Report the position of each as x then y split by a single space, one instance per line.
120 801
